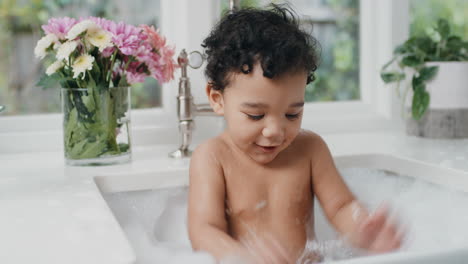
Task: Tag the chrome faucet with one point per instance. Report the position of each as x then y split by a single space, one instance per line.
2 108
186 108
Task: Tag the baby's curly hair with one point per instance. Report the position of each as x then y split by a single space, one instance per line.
271 37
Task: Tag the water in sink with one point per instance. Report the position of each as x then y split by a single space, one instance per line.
155 220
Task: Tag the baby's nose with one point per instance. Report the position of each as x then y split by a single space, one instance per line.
274 130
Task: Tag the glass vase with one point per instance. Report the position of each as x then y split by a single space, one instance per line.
96 125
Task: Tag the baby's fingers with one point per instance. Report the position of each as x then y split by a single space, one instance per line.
388 239
371 227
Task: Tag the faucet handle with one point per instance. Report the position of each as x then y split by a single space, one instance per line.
196 59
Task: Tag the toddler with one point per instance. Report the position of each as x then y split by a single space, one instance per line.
252 187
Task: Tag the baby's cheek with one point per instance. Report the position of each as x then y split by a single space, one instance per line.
242 136
292 134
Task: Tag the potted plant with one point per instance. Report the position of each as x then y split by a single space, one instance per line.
437 67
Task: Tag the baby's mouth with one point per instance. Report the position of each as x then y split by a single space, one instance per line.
267 149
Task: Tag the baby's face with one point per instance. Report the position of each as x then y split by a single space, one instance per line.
264 116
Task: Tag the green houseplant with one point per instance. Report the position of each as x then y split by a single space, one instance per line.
438 44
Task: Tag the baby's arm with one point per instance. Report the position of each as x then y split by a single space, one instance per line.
374 232
206 209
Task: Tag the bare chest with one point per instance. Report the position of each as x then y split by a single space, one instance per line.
260 196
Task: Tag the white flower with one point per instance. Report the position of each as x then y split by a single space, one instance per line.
99 38
79 28
57 45
43 44
64 51
82 64
54 67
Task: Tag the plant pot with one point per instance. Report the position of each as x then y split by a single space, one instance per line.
96 125
447 114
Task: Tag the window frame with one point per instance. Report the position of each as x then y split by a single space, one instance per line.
383 24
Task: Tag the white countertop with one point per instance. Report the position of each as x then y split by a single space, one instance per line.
52 213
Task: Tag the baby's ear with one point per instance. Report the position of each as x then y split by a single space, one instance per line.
216 99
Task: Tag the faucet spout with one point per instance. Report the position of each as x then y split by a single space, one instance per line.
187 109
204 110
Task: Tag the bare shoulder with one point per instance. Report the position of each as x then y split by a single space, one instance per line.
309 140
312 144
207 158
210 149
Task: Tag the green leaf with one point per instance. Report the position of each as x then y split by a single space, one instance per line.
389 77
96 73
417 83
410 44
124 147
89 102
454 42
423 46
91 82
420 103
411 61
48 81
75 150
400 49
443 28
123 82
91 128
94 149
84 115
70 126
428 73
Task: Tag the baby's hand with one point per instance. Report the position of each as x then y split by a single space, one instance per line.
378 233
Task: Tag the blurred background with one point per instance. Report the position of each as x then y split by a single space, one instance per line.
335 23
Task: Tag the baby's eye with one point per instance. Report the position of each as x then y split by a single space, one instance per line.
292 116
255 117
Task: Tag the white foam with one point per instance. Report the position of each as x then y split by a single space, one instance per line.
155 221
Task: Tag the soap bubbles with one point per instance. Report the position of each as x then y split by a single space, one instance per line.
155 221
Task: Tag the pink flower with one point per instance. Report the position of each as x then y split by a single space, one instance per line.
107 52
103 23
144 53
169 63
162 66
155 40
59 26
157 55
135 73
147 50
127 38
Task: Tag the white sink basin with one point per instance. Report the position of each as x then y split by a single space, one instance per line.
162 219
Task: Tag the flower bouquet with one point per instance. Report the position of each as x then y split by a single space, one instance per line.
95 60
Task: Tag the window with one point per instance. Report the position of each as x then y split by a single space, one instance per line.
20 23
335 24
425 13
382 25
